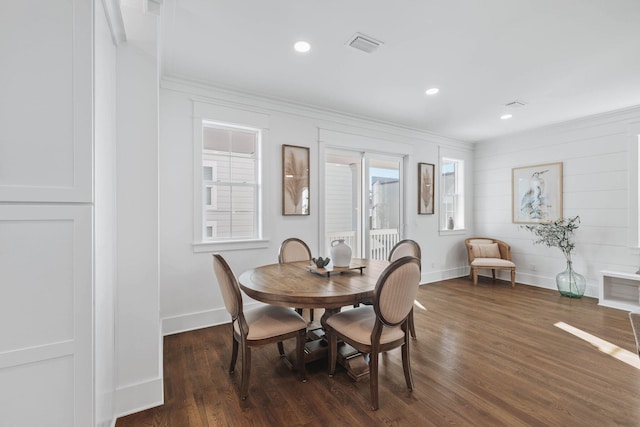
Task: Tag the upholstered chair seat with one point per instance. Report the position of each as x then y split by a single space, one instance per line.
358 324
268 321
492 263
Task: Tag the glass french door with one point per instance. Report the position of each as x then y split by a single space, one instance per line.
363 201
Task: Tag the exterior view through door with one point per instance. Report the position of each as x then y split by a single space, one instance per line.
363 201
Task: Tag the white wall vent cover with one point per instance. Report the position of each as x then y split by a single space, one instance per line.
364 43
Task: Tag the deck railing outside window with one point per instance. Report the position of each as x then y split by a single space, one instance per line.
382 241
380 244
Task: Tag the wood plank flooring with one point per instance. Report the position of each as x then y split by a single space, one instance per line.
488 355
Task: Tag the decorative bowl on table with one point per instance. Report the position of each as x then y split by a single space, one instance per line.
321 262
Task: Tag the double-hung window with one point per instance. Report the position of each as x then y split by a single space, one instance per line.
452 194
230 182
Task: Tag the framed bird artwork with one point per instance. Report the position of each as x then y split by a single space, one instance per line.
536 193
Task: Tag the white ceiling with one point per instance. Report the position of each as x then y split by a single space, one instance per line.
564 58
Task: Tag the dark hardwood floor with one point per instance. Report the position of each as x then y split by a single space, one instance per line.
485 356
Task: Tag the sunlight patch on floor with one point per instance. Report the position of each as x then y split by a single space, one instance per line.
420 306
606 347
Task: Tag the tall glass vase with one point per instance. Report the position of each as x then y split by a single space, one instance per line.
571 284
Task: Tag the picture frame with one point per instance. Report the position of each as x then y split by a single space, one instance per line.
426 187
295 180
536 193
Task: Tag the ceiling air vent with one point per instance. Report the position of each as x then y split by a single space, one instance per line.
364 43
515 104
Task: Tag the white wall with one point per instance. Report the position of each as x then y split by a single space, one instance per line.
104 217
46 213
189 294
599 168
138 339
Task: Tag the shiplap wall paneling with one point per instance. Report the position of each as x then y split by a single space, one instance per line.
595 156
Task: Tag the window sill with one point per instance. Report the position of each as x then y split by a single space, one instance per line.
453 232
230 245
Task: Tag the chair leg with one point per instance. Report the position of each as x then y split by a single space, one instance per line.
412 325
513 278
246 371
300 342
234 356
281 348
311 314
373 379
474 275
406 365
493 273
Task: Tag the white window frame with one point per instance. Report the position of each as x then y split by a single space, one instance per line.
465 157
211 187
208 113
458 196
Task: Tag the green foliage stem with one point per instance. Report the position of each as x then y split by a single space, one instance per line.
556 234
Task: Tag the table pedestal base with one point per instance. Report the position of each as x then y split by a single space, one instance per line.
353 361
317 348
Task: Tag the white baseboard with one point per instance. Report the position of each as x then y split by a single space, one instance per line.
138 397
192 321
104 409
533 280
436 276
524 278
550 283
198 320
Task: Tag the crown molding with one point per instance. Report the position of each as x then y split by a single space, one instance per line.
206 92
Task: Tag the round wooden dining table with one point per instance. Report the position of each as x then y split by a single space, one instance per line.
300 284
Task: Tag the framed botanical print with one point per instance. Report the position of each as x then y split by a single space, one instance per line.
426 173
295 180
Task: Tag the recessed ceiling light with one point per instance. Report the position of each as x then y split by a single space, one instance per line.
506 116
432 91
302 46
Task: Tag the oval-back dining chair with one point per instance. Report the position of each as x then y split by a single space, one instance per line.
382 326
292 250
264 325
407 247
